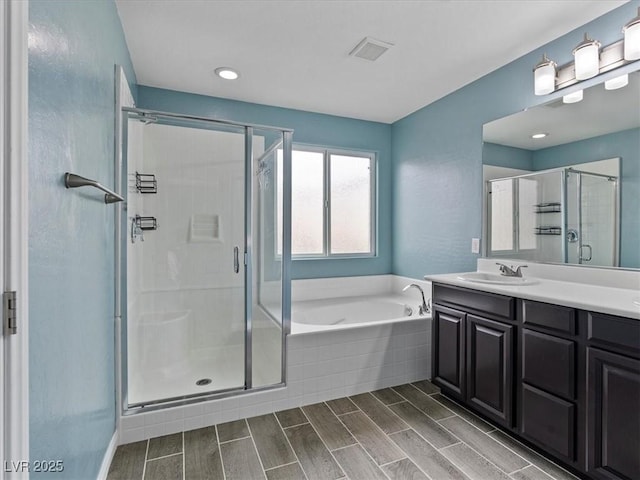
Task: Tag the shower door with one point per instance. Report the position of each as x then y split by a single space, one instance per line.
592 219
194 319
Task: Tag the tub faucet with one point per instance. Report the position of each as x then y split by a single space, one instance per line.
424 308
509 271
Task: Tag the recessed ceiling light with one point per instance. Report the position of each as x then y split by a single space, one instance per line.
539 135
227 73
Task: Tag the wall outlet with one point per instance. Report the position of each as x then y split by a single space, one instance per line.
475 245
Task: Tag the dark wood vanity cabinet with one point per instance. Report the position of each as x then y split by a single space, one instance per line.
489 352
551 380
448 350
613 393
473 348
563 379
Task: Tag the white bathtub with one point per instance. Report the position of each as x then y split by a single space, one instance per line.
350 312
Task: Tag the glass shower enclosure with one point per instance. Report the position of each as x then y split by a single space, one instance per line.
561 216
205 296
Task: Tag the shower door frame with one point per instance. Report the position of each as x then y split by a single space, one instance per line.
287 141
14 224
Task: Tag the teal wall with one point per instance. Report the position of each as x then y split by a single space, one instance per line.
313 129
505 156
73 46
437 156
626 145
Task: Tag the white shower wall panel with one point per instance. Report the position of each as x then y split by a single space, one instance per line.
185 302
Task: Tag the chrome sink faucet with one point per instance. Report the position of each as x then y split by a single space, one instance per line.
509 271
424 308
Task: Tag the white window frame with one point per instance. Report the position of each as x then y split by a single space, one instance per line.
373 194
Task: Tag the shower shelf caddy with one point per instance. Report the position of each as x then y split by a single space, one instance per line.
548 230
551 207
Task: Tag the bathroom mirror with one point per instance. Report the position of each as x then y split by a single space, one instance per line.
571 195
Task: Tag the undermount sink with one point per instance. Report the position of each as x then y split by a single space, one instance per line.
495 279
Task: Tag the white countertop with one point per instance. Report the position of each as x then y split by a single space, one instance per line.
585 296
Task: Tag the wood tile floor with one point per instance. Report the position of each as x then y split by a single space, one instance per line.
406 432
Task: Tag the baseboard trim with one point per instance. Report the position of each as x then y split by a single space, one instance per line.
108 457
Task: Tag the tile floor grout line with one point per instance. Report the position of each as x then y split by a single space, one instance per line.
394 403
234 440
164 456
144 466
291 426
184 459
345 413
289 442
447 446
395 461
280 466
520 469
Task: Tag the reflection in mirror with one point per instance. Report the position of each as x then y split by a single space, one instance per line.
572 194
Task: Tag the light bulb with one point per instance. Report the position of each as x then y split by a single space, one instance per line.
574 97
587 58
544 77
632 39
618 82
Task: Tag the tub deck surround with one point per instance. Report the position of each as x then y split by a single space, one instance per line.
378 435
615 292
322 363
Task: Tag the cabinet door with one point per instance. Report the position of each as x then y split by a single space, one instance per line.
489 367
448 350
614 416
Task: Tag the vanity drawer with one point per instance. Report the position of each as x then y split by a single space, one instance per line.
549 363
497 305
614 333
552 317
549 421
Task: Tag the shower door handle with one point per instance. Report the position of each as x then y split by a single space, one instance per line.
582 258
236 259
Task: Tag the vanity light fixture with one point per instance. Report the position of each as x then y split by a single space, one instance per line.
587 58
574 97
227 73
589 61
539 135
618 82
544 76
632 38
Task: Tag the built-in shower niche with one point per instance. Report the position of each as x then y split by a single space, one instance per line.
192 324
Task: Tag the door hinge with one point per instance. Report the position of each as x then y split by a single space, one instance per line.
10 313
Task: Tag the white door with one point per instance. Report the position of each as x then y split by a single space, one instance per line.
14 400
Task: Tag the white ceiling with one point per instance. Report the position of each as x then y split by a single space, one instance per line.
295 54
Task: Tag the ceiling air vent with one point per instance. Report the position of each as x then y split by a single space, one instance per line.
370 49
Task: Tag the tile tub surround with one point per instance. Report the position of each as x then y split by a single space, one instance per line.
320 366
611 291
384 434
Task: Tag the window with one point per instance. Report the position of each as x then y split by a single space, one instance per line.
332 203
